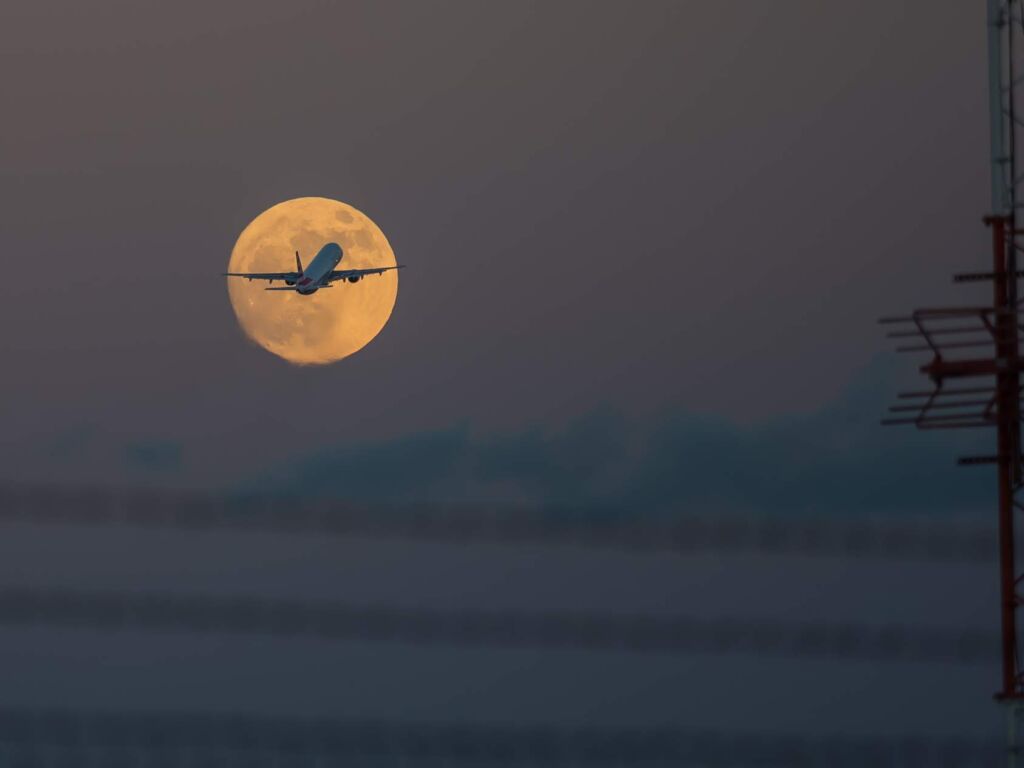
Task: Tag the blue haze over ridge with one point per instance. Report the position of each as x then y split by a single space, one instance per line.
834 461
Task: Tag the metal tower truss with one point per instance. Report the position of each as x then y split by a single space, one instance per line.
975 362
1005 46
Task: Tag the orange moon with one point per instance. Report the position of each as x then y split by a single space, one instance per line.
332 323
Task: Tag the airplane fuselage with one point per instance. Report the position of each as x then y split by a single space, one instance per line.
320 273
320 267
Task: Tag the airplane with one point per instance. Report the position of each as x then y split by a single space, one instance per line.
320 273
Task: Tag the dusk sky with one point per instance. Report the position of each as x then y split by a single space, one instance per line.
641 212
646 246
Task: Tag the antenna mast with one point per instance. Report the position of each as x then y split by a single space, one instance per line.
982 343
1005 24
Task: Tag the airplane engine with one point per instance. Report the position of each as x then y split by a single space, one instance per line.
355 278
289 282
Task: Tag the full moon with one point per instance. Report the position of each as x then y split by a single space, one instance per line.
332 323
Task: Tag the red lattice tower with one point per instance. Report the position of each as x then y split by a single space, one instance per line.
975 364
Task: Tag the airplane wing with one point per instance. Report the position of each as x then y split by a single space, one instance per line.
347 274
265 275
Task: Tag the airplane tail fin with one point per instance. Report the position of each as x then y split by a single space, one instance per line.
298 263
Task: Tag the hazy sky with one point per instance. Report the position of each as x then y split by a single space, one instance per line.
647 243
649 208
